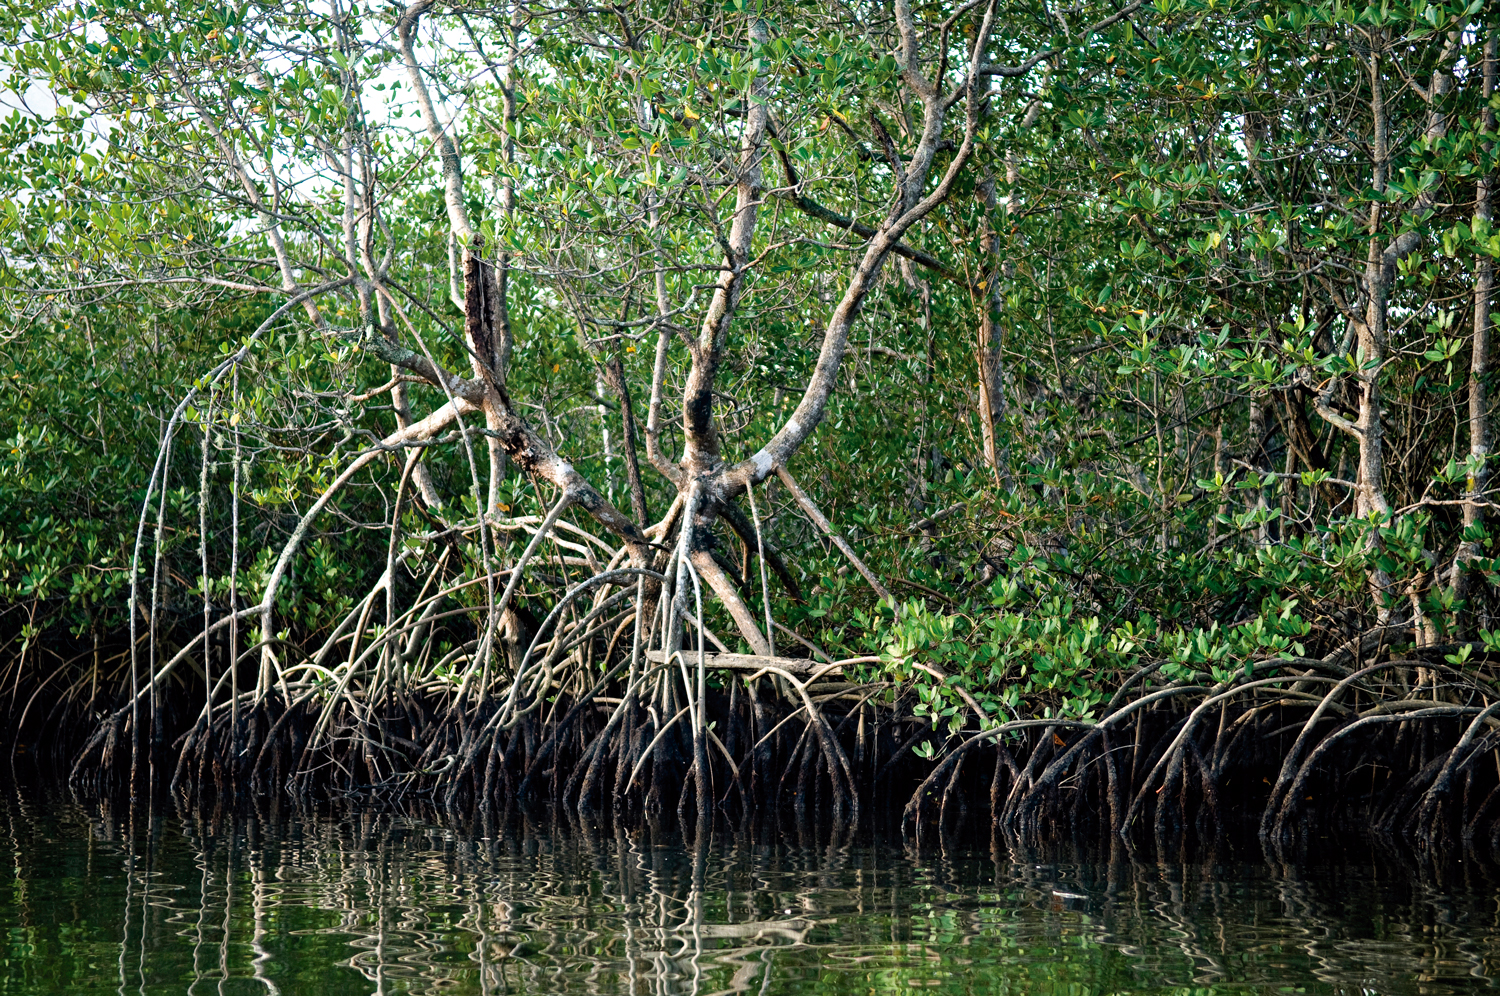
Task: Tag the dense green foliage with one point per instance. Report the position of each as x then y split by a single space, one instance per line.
1166 227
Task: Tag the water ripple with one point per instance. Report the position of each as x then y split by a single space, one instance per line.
367 902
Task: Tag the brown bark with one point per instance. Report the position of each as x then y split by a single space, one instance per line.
532 453
1372 331
614 375
1479 347
701 437
991 370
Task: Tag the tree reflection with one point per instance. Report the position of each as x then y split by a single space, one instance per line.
141 901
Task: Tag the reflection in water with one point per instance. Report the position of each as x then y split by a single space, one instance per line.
370 902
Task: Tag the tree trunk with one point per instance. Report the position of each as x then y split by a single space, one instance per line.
1479 356
991 368
1371 332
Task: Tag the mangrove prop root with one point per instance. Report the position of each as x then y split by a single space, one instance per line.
598 716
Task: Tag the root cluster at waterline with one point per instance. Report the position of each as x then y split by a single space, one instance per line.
616 707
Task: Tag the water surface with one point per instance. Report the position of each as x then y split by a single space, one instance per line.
96 901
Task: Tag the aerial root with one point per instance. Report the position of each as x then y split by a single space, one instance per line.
1313 747
599 717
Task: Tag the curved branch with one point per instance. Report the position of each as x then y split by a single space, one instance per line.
909 209
416 431
702 442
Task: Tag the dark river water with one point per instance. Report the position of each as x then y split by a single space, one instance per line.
99 901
